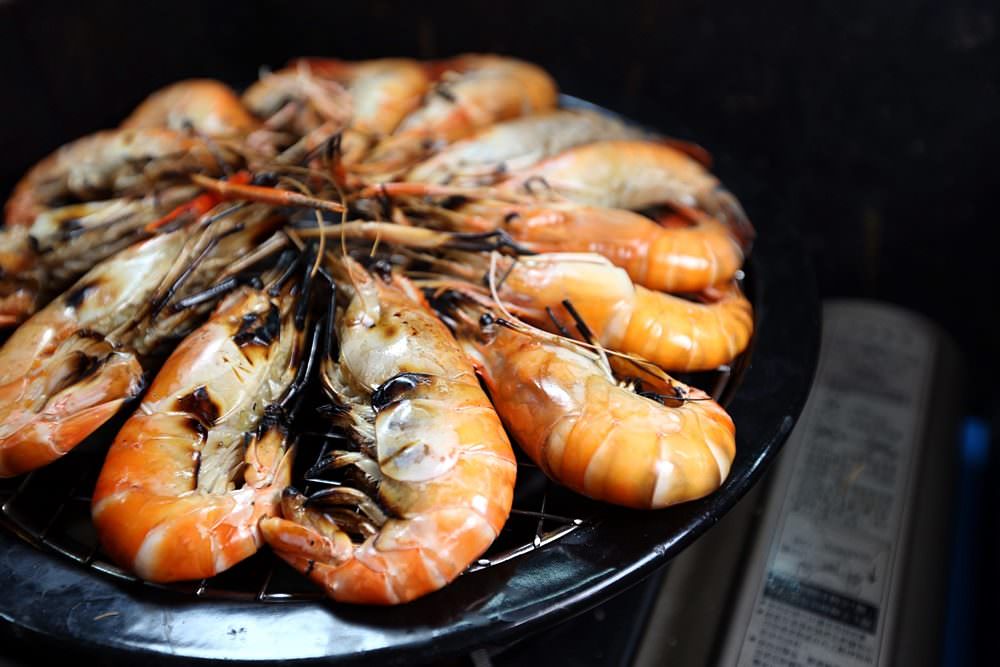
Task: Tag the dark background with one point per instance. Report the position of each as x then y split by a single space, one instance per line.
871 127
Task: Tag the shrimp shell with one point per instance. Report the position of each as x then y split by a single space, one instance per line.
208 107
165 505
634 175
673 333
472 92
517 144
596 437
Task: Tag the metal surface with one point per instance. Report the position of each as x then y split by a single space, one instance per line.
559 554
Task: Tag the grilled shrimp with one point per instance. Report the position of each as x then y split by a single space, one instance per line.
82 203
434 465
634 175
68 368
204 457
507 147
115 163
367 98
471 92
692 256
42 259
206 106
589 433
674 333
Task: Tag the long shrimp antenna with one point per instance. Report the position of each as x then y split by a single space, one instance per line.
292 400
163 298
231 279
560 327
588 335
287 268
320 223
308 280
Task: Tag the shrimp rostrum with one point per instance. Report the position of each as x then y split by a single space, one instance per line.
427 483
204 457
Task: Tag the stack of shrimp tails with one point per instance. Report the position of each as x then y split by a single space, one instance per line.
434 258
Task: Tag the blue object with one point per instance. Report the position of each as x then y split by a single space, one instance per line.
975 450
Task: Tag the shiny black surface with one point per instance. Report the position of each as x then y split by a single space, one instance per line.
49 599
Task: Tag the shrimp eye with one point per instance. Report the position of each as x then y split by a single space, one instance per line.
382 268
486 319
395 387
265 178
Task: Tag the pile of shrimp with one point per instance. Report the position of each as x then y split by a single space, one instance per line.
433 253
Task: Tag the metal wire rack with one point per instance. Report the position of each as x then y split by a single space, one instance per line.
50 509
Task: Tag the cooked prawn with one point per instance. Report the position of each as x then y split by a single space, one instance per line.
42 259
116 163
204 457
439 467
383 91
689 258
471 92
590 433
206 106
674 333
507 147
634 175
365 99
68 368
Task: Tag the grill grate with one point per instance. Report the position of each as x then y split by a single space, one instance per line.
50 509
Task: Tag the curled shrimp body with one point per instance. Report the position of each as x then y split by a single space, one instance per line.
594 436
366 99
191 473
687 259
498 150
115 163
68 368
88 200
383 91
437 467
691 256
683 259
42 259
206 106
634 175
472 92
674 333
60 378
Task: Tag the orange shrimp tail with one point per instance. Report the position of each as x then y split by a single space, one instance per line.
689 260
681 335
602 440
